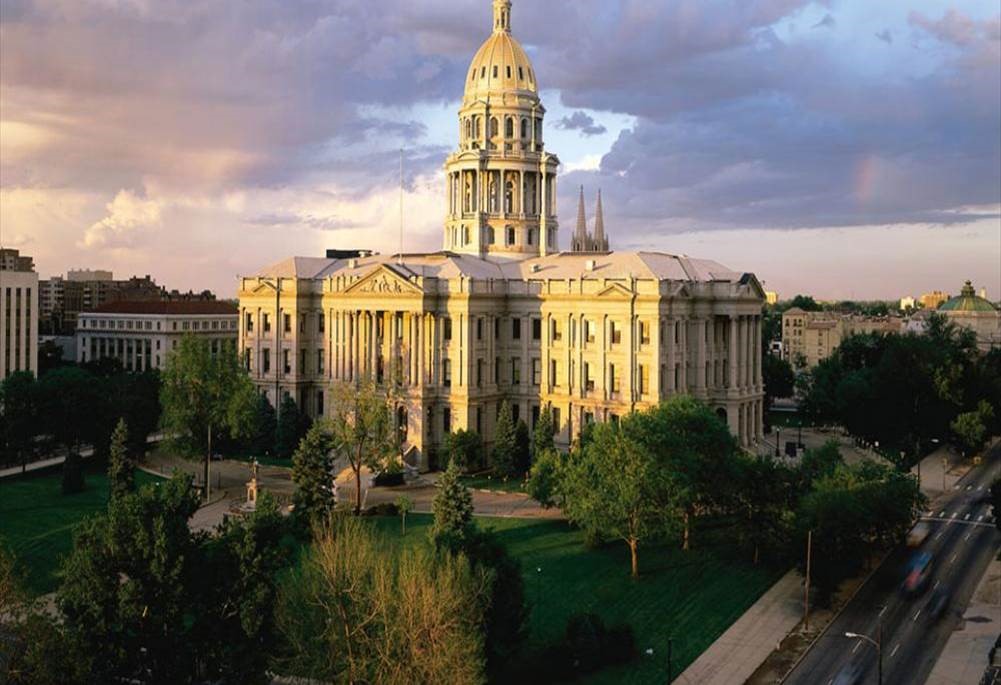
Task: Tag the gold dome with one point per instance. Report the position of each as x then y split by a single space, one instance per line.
501 65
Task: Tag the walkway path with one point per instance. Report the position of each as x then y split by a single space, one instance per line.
738 652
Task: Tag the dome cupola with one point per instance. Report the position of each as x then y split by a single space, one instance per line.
501 65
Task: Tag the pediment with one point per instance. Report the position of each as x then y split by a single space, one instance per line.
751 282
384 281
616 290
263 286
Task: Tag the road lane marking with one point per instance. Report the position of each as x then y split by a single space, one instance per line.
893 653
967 537
967 517
935 586
857 645
980 518
916 615
989 523
969 487
953 560
881 611
941 513
955 514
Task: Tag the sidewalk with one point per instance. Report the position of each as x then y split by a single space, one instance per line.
964 658
738 652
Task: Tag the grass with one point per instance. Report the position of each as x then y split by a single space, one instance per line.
37 520
691 596
493 483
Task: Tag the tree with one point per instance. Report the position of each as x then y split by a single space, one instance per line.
204 393
289 428
262 440
362 429
358 611
696 446
64 393
125 594
313 475
804 302
544 477
238 627
768 501
505 451
779 378
404 505
21 419
619 487
452 508
464 448
121 469
971 427
522 449
542 436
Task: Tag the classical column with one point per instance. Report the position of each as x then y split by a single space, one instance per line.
700 370
732 354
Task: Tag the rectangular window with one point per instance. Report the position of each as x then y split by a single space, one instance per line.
266 360
497 328
446 329
479 328
320 362
557 331
515 371
446 420
286 361
302 363
497 368
321 325
615 332
644 332
319 403
556 420
644 378
479 373
589 330
613 380
267 323
246 357
536 329
446 372
588 379
516 329
554 379
288 323
536 372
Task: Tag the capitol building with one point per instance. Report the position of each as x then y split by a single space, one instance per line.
501 313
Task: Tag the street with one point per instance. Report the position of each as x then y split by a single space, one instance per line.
963 540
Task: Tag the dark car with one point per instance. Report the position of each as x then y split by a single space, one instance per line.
851 674
938 603
918 573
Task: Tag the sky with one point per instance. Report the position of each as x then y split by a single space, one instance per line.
843 148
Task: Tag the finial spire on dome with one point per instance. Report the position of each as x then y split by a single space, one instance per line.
502 16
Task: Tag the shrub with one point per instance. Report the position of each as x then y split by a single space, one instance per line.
387 479
382 509
588 645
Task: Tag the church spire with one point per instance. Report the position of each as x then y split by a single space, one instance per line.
502 16
580 235
600 241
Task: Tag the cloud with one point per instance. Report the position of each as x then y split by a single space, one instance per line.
828 22
953 27
583 122
128 216
886 36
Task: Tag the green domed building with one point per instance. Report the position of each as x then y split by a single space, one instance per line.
974 312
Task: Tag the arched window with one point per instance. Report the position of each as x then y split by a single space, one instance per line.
509 71
524 128
509 128
494 127
495 71
469 128
476 127
509 197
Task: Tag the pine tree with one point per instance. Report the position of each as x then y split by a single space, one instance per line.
287 433
453 510
542 438
505 452
121 469
312 473
522 449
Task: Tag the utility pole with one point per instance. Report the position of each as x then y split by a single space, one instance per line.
806 586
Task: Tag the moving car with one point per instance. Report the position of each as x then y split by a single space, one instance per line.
918 573
851 674
938 603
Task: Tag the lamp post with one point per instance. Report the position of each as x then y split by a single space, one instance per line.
778 441
877 643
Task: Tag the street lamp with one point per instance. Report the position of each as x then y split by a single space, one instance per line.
877 643
778 441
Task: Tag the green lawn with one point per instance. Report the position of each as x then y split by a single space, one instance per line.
36 520
494 483
693 596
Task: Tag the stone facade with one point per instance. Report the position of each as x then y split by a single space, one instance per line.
141 334
500 315
18 314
